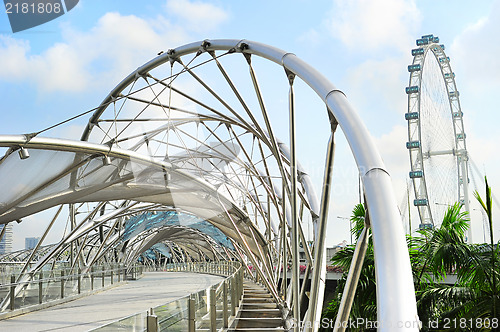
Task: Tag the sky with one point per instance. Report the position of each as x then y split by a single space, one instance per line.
67 66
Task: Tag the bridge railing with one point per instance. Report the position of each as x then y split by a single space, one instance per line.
209 309
58 285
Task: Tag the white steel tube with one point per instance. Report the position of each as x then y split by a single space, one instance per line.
318 279
295 219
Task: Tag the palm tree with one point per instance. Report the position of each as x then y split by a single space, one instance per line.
438 253
472 300
475 297
445 247
489 274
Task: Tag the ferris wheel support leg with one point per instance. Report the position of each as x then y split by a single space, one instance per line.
465 177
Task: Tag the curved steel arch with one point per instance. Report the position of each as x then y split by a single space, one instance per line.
395 293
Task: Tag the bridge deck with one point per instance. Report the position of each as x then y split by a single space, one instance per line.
86 313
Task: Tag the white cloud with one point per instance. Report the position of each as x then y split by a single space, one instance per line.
397 161
395 155
198 16
393 150
13 58
310 37
474 55
373 25
105 54
58 67
376 89
475 51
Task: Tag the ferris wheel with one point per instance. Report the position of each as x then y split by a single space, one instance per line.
436 137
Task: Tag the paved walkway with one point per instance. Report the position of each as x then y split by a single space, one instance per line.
154 289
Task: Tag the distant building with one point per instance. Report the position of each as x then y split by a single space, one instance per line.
6 241
31 242
330 252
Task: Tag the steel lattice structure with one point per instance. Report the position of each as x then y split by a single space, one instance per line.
184 152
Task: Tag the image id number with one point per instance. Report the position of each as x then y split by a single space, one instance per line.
32 8
463 323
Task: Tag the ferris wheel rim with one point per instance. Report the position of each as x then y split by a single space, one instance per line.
429 43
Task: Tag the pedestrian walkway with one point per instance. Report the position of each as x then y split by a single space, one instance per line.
83 314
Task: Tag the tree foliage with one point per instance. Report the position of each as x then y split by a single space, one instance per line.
454 280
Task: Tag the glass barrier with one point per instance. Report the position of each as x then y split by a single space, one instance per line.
59 283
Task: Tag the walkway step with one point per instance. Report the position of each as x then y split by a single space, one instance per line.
258 311
257 300
259 306
257 296
268 313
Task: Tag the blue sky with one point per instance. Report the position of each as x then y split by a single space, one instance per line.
67 66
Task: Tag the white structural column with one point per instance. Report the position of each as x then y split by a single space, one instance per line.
293 201
358 258
318 281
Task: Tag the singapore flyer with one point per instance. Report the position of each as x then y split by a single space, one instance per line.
436 137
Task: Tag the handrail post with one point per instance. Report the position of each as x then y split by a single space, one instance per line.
111 276
238 291
233 296
92 278
191 315
40 288
151 321
103 275
213 312
62 284
225 317
79 280
241 286
12 291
